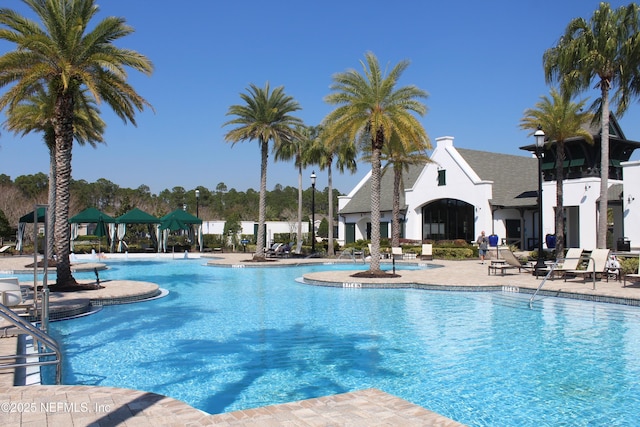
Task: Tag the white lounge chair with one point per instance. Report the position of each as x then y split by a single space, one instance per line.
11 292
5 250
396 252
569 263
274 250
427 251
508 261
597 264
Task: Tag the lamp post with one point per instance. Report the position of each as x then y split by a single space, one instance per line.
313 212
539 135
197 203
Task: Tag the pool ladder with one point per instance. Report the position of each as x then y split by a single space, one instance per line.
47 350
550 273
544 280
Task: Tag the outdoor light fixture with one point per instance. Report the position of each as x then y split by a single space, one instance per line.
539 135
313 212
198 203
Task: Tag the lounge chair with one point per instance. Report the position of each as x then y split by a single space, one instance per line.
5 250
427 251
632 276
569 263
597 264
11 293
508 261
396 252
273 250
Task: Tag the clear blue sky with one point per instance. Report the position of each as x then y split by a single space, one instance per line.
480 62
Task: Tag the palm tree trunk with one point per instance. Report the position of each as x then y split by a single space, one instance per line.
51 219
559 214
63 125
262 206
330 251
299 236
601 242
375 205
395 216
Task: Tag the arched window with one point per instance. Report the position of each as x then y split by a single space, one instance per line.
448 219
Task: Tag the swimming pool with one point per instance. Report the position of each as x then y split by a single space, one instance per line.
227 339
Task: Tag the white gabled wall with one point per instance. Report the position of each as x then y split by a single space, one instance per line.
462 183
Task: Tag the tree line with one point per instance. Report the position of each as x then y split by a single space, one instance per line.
19 196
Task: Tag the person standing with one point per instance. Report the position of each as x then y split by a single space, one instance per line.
483 244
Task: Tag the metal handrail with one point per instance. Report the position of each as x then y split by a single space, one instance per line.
549 274
39 337
553 266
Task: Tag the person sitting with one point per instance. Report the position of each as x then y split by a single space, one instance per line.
613 267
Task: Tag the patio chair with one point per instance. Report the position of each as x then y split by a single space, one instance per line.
5 250
632 276
396 253
11 293
569 263
597 264
273 250
508 261
427 251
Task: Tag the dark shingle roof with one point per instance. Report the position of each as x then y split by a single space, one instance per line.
361 201
515 178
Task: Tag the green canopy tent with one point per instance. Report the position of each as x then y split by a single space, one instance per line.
28 219
137 216
181 220
93 216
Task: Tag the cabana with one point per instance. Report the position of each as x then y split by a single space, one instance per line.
28 219
93 216
181 220
137 216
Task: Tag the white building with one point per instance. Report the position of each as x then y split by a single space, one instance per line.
464 192
251 227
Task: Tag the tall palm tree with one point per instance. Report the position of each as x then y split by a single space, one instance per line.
264 116
35 114
560 119
606 50
323 153
370 104
63 54
401 156
295 149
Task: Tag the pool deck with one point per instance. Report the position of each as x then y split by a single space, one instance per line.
88 405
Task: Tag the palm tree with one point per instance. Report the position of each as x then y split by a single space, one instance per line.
66 57
371 105
295 149
401 156
35 114
560 119
264 116
323 154
605 49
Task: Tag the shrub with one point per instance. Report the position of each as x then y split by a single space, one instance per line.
629 265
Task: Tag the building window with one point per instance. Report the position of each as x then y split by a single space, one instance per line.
448 219
442 177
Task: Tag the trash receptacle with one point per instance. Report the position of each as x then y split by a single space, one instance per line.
493 240
623 244
550 240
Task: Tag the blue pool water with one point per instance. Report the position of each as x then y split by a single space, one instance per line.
234 338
